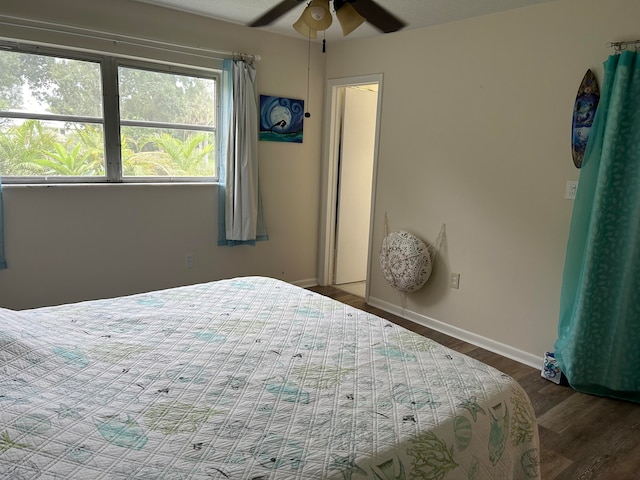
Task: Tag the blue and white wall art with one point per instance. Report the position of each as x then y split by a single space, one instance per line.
281 119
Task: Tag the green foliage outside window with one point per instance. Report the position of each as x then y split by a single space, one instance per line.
40 85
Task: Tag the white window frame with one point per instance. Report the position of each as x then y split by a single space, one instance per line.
110 119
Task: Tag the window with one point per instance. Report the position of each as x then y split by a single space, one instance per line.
74 117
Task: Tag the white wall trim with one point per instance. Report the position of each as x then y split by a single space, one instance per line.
516 354
307 283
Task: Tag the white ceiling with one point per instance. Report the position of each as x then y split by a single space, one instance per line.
416 13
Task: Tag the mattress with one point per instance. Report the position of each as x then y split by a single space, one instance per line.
248 378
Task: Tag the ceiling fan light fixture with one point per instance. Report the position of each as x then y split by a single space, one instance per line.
317 12
303 29
349 19
317 15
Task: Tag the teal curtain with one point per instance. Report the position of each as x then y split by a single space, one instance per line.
240 215
3 260
598 346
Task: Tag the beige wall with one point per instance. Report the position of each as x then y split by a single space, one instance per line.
475 134
79 242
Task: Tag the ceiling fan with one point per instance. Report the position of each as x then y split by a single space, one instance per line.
317 16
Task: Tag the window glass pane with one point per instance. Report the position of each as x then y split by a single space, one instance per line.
53 124
50 148
166 97
164 152
42 84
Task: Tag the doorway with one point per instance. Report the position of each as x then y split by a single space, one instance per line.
351 139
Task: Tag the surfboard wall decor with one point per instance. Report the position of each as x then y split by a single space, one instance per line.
584 111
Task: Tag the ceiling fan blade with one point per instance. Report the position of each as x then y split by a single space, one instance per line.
276 12
377 16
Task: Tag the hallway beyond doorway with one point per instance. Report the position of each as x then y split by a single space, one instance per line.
355 288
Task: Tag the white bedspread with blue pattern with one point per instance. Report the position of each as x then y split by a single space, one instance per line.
248 378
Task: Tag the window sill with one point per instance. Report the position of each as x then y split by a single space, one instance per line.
9 186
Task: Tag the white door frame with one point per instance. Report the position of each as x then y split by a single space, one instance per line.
331 152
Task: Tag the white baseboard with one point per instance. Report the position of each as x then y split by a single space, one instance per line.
309 282
516 354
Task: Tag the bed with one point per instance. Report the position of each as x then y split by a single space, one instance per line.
248 378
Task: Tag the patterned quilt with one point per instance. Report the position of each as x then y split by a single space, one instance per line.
250 379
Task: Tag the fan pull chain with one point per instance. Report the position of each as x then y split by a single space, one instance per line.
307 114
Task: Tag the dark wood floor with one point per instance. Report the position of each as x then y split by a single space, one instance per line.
582 437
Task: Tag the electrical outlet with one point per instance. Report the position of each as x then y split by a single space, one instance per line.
189 261
570 190
454 282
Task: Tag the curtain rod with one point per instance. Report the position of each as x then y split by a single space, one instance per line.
619 46
124 39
